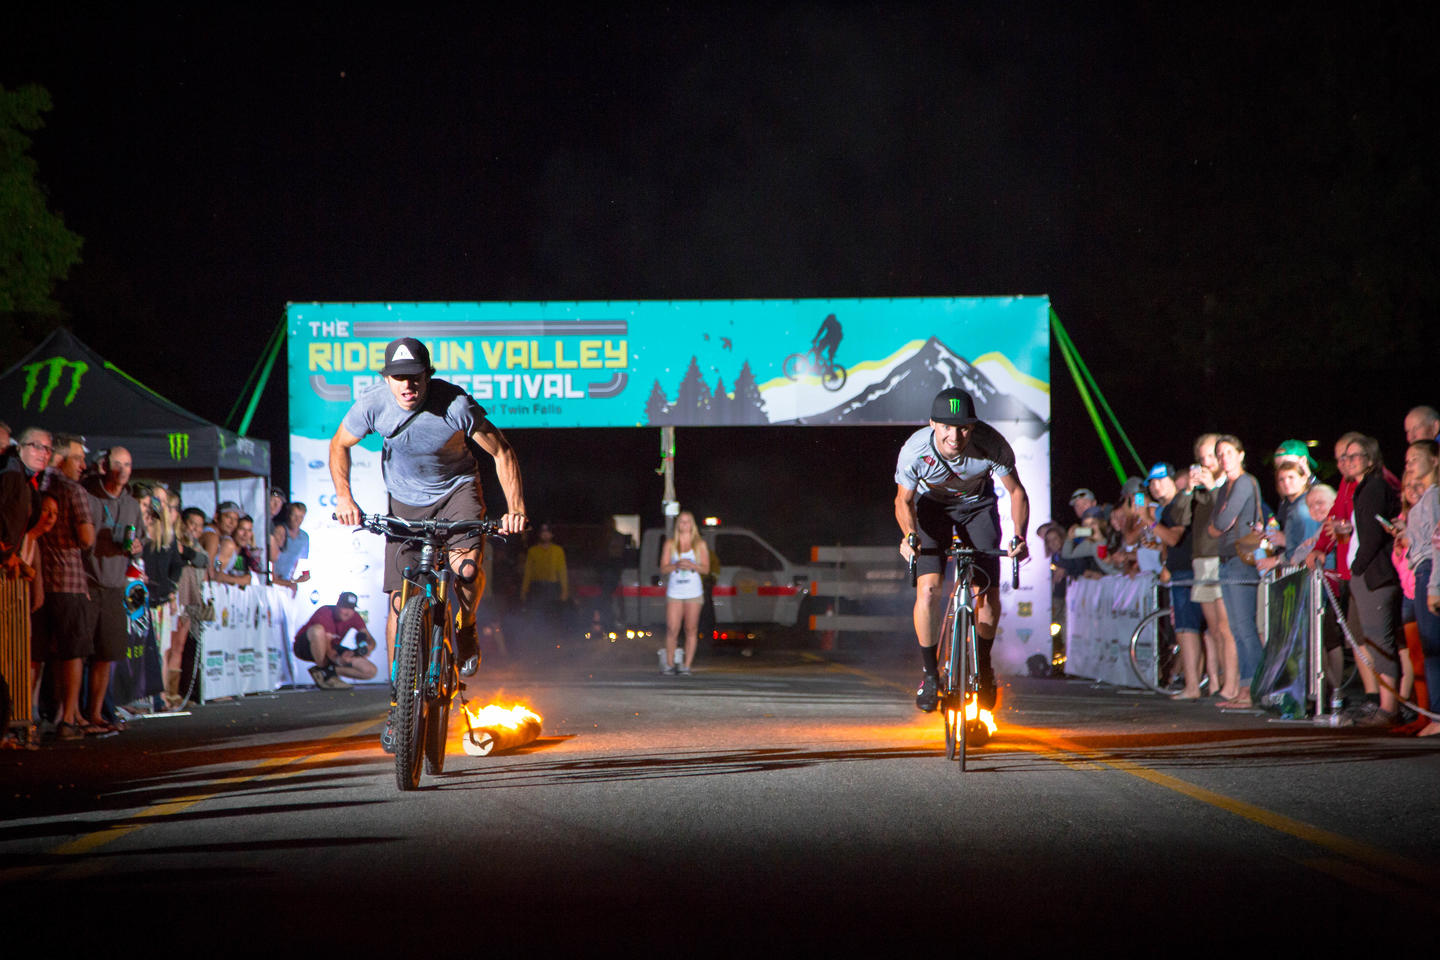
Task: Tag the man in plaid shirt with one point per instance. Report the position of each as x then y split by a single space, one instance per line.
69 616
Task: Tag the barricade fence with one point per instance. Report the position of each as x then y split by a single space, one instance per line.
1114 634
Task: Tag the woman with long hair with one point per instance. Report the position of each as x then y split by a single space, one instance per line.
684 559
1374 584
189 525
1237 512
1422 477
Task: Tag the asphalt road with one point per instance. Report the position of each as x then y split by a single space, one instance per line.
786 803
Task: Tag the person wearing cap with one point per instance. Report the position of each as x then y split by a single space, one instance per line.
944 484
428 427
1173 529
69 637
1082 501
320 641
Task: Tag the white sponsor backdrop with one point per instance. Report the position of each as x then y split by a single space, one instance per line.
1025 618
1100 617
341 558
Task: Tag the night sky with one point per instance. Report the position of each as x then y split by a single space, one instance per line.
1233 209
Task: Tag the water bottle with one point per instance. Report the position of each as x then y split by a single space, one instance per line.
128 543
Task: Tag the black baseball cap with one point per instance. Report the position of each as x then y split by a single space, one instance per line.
405 357
347 600
953 406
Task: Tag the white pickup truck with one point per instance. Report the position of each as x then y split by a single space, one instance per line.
755 583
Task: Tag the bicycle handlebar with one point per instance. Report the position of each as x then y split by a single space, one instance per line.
959 550
425 530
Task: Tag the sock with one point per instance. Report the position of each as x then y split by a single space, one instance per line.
930 659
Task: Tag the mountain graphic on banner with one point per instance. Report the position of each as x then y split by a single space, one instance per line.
904 395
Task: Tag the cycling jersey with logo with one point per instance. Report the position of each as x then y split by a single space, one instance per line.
966 480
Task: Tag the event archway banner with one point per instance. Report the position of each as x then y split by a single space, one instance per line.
674 363
687 362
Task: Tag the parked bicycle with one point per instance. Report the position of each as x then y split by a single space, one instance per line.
832 375
425 675
958 655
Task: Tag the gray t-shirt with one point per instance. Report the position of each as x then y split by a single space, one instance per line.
429 458
965 481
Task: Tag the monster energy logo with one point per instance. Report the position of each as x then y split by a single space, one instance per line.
179 446
56 367
954 404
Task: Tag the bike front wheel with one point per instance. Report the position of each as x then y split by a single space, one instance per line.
437 717
412 658
794 366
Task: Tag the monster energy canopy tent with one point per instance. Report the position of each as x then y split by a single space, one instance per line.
66 387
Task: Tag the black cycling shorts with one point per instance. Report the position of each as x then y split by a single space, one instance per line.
978 527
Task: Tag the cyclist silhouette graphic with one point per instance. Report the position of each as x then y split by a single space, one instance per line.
819 360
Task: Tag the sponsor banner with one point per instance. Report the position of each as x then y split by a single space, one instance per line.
695 362
1100 617
244 647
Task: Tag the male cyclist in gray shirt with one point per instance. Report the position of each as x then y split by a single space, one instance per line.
944 484
429 472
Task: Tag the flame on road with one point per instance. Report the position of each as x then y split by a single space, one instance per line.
495 727
973 712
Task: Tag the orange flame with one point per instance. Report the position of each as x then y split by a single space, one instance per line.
494 715
973 712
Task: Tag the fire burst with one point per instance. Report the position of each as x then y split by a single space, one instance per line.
494 728
973 712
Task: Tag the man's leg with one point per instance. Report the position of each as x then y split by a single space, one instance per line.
354 667
927 628
987 618
319 644
469 588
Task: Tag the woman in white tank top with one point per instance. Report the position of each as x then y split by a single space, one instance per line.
684 559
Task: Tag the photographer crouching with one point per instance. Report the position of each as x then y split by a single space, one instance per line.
320 641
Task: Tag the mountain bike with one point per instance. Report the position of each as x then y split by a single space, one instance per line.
832 375
959 654
425 676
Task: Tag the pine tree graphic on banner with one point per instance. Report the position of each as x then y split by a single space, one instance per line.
692 404
719 403
657 407
747 406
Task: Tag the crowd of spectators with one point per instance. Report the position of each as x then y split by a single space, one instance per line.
80 532
1210 534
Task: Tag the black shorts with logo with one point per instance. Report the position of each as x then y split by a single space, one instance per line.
977 527
462 503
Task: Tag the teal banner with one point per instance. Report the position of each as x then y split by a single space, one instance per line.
688 362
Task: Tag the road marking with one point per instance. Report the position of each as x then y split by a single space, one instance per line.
267 768
1068 753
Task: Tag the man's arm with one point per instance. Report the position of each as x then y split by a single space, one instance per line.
905 516
507 469
345 509
1019 513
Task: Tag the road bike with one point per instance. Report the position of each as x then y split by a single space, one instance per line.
797 365
425 676
958 656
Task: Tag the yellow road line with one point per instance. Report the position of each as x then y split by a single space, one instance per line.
268 768
1068 752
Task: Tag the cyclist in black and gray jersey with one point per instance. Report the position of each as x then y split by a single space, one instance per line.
944 484
428 426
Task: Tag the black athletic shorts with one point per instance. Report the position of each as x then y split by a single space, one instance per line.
69 627
462 503
978 527
112 624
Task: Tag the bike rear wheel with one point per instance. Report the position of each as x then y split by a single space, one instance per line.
437 718
412 658
833 378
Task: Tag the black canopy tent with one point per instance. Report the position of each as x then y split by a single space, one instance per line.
65 387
